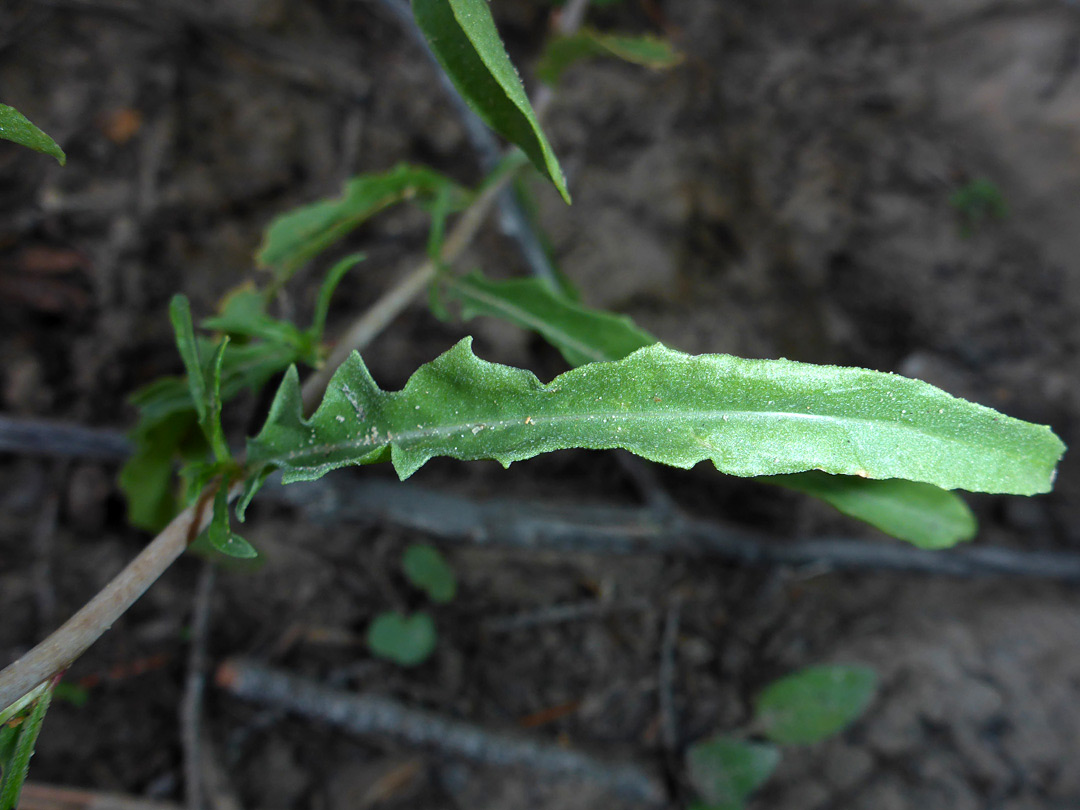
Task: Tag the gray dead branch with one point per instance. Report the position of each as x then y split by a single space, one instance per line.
369 715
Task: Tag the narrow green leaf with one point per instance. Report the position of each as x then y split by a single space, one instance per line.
427 569
221 535
750 417
17 762
814 703
326 292
581 334
925 515
180 316
463 37
725 771
16 127
294 238
563 51
215 435
243 314
405 640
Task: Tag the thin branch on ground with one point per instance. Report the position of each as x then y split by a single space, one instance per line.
560 614
39 437
371 715
619 530
36 796
669 724
194 688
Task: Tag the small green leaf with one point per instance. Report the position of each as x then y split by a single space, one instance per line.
581 334
147 476
17 748
215 435
221 535
427 569
750 417
296 237
243 314
725 771
405 640
814 703
326 292
463 37
16 127
922 514
563 51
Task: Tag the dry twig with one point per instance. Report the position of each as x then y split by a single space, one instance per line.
371 715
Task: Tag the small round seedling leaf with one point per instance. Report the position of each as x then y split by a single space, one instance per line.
814 703
405 640
725 771
429 571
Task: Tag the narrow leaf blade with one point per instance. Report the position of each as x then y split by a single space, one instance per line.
17 764
581 334
463 37
180 316
924 515
294 238
563 51
17 128
749 417
814 703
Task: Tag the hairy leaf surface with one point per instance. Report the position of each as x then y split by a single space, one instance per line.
16 127
750 417
463 37
294 238
922 514
563 51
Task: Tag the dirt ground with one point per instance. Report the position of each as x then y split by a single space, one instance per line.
785 192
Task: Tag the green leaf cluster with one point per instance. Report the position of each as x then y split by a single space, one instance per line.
803 708
409 639
17 128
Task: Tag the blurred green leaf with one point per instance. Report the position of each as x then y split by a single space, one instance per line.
220 533
725 771
581 334
924 515
405 640
463 37
563 51
427 569
301 234
814 703
16 127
